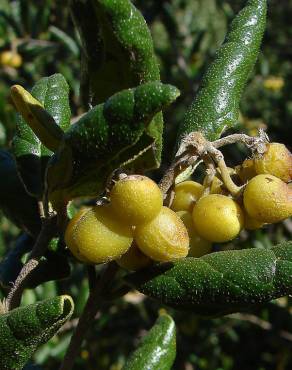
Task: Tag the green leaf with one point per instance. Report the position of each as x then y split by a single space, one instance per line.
216 106
11 265
104 139
65 39
32 156
220 283
23 329
16 204
117 54
157 349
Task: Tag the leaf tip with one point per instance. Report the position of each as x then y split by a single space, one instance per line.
67 305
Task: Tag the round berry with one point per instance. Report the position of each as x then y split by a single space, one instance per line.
217 218
165 238
251 223
97 236
277 161
70 230
134 259
198 246
186 194
246 170
11 59
268 199
136 199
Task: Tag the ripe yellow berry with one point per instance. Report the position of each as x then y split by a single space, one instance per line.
268 199
70 231
136 199
10 59
164 238
277 161
186 194
274 83
97 236
133 259
251 223
217 218
246 170
198 246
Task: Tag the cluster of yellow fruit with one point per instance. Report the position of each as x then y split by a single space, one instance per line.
10 59
217 217
133 229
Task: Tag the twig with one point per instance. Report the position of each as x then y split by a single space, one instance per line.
234 138
257 143
195 146
85 321
210 174
228 182
179 165
45 236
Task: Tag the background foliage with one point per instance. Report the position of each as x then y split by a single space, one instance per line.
186 35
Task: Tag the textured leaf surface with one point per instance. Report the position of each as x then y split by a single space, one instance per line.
23 329
157 349
102 139
32 157
222 282
118 54
16 204
216 105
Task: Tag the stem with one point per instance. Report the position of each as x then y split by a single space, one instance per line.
228 182
210 174
234 138
255 143
87 317
179 165
45 236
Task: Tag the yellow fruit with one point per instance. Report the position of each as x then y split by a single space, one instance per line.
277 161
186 194
198 246
97 236
133 259
268 199
136 199
217 218
274 83
165 238
11 59
246 170
251 223
70 231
